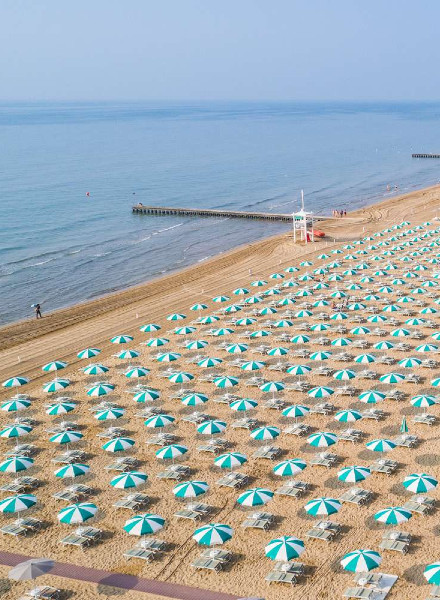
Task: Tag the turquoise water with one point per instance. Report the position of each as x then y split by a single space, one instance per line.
58 246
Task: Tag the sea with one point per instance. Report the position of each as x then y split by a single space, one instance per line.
70 173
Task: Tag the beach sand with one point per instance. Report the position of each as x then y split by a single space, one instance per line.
27 345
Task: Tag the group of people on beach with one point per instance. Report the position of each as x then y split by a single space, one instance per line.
339 213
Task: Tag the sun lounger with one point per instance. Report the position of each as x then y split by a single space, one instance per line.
244 423
30 523
373 413
434 593
424 418
258 521
176 472
233 480
382 465
293 488
323 408
91 533
216 553
420 504
126 463
196 418
360 592
208 563
161 439
355 495
396 545
323 459
188 514
274 403
20 484
141 553
406 440
22 450
350 435
133 501
298 429
44 592
75 540
281 577
397 535
14 529
320 534
267 452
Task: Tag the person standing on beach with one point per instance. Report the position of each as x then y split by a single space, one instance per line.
38 314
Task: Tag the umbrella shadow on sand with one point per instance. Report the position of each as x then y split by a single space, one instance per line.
415 574
5 585
428 460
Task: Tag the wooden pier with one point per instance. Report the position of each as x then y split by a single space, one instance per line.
425 155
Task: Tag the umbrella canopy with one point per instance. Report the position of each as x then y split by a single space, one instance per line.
225 382
168 357
211 427
423 401
322 439
295 411
194 399
243 404
88 353
190 489
184 330
265 433
18 503
272 386
77 513
15 405
130 479
348 416
320 355
380 445
320 392
150 327
255 497
171 452
344 375
56 365
361 561
101 389
136 372
56 385
71 471
16 464
109 414
196 345
214 533
66 437
432 573
392 378
364 359
118 444
159 421
253 365
284 548
278 351
237 348
96 369
124 354
289 467
322 506
209 362
15 431
121 339
31 569
393 515
144 524
180 377
371 397
230 460
353 473
146 395
298 369
15 382
419 483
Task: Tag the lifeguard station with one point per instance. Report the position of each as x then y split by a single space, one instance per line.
300 221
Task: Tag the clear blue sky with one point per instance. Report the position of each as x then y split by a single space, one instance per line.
219 49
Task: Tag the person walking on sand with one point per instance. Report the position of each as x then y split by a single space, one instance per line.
38 314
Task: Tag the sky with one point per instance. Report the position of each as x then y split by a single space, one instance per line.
219 50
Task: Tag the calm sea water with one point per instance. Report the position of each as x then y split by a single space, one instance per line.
59 246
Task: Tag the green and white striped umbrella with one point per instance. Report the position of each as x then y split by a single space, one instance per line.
300 339
278 351
240 292
211 427
404 426
339 316
270 310
56 385
55 365
287 323
147 395
360 331
150 327
380 445
208 320
71 471
196 344
409 363
253 365
432 573
376 319
168 357
322 439
180 377
209 362
435 382
214 533
88 353
371 397
295 411
157 342
319 327
18 503
361 561
284 548
15 382
423 401
230 460
322 506
190 489
194 399
184 330
342 342
246 321
320 392
353 473
130 479
221 299
77 513
259 283
420 483
364 359
66 437
237 348
16 464
199 307
265 433
348 416
401 332
289 467
243 404
427 348
392 378
136 372
60 408
109 414
320 355
159 421
121 339
15 405
96 369
393 515
100 389
272 386
118 444
124 354
12 431
171 452
260 333
225 382
222 331
255 497
298 369
344 375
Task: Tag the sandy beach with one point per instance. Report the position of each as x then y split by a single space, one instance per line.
25 346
